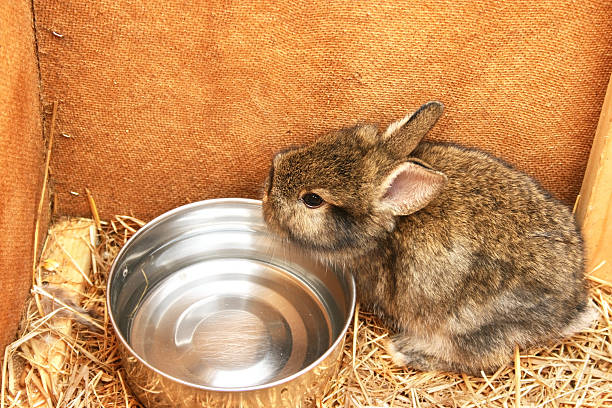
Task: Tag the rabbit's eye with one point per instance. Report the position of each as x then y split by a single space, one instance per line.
312 200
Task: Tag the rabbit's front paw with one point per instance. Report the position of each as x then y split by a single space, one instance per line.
403 355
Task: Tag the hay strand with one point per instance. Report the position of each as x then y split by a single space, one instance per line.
41 201
517 376
94 209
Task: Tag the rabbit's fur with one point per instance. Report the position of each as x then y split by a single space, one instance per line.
462 256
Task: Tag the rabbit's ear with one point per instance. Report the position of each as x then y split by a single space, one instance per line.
403 136
410 187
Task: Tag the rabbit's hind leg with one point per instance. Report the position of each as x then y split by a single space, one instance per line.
437 353
485 349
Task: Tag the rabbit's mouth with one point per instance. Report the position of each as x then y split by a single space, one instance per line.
274 226
288 235
277 230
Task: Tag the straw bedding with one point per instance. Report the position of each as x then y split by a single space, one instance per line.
572 373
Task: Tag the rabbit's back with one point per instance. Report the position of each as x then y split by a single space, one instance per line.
492 244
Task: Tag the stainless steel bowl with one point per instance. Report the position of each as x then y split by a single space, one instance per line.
213 311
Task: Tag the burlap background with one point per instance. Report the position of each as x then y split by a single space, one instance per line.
21 160
168 102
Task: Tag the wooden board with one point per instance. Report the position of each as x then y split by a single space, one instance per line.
594 206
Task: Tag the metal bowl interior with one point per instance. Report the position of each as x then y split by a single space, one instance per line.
206 296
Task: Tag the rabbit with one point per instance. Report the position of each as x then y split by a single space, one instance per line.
460 255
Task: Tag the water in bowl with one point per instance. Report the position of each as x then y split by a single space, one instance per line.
231 323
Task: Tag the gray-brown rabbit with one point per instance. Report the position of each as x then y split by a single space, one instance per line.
462 256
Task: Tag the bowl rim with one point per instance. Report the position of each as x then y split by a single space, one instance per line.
162 217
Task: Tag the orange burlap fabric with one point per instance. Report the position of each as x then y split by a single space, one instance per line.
21 160
168 102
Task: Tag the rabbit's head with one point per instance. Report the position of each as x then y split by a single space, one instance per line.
340 196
